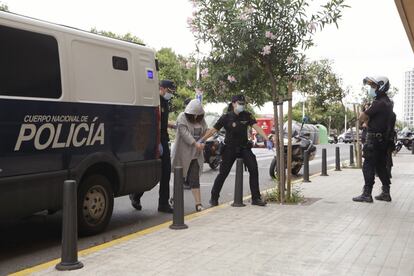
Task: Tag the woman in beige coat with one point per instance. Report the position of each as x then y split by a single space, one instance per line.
187 151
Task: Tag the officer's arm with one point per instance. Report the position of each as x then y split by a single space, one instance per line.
260 131
210 132
363 118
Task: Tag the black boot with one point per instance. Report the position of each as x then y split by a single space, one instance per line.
135 202
365 196
385 195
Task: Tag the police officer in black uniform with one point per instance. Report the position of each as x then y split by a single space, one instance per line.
378 118
167 89
235 122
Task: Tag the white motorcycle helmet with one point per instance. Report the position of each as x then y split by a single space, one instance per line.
382 83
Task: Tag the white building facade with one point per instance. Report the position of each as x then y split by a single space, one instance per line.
409 98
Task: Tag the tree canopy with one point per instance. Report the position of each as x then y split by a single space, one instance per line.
126 37
4 7
256 45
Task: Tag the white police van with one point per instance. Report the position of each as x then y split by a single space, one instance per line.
74 105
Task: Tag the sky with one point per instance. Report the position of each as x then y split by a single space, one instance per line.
370 40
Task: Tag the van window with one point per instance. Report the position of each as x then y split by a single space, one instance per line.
120 63
29 64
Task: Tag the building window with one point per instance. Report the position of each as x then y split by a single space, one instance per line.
29 64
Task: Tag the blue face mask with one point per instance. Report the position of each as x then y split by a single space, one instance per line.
239 108
372 93
167 96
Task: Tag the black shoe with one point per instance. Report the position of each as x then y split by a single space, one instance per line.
136 203
213 202
363 198
258 202
383 197
165 209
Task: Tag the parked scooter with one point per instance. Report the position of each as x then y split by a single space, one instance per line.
300 143
213 149
405 139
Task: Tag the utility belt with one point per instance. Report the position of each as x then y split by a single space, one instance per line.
376 135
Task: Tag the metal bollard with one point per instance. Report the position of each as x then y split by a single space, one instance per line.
306 166
412 147
324 164
351 155
178 213
69 260
337 159
238 185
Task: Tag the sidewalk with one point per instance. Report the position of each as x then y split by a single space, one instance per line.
333 235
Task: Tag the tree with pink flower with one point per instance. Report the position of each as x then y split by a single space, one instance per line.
254 41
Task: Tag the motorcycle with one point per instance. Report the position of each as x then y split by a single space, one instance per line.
405 140
300 144
213 149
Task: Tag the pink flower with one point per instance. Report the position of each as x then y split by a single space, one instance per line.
243 16
194 13
268 34
289 60
194 2
204 73
231 78
190 21
297 77
194 29
312 27
266 50
189 65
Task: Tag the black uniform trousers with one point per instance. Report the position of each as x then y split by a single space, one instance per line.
375 160
229 155
164 192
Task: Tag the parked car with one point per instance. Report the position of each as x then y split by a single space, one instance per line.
348 137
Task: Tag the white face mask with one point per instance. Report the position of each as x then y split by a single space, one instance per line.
371 92
167 96
239 108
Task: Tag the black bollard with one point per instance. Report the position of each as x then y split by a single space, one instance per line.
306 166
337 159
178 213
412 147
69 260
238 185
351 155
324 164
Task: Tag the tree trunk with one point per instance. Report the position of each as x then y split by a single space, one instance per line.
275 98
282 170
289 149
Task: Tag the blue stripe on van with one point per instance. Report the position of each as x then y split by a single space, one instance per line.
40 136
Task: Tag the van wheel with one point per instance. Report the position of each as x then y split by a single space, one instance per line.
95 204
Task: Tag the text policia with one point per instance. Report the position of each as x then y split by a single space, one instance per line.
81 132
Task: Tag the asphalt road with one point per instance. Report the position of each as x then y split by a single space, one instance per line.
37 239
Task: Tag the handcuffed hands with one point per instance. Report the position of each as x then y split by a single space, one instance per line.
269 144
199 146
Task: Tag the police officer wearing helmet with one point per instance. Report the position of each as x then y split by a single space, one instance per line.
167 89
378 119
235 122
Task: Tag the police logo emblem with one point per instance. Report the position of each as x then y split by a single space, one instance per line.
234 124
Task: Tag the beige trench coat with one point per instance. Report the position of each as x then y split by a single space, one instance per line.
184 149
